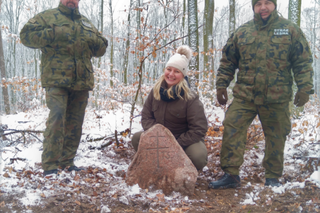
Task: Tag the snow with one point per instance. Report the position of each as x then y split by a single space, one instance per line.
119 120
316 176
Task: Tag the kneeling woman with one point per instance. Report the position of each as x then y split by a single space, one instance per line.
172 104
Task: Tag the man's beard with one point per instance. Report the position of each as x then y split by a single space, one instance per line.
71 6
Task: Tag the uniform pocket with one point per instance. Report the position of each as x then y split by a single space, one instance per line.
246 48
89 34
62 32
249 80
279 47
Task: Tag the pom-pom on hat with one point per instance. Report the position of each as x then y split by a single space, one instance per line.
180 60
255 1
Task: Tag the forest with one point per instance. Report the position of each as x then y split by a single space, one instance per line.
142 35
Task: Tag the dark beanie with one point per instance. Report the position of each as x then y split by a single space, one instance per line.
255 1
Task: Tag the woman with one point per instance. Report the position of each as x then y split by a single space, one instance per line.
172 104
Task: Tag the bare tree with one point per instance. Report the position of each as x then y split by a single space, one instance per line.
111 42
208 63
127 47
194 38
232 16
5 93
295 11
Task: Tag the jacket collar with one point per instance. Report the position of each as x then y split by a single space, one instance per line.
260 24
68 12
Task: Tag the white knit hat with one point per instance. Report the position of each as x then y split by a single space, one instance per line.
180 59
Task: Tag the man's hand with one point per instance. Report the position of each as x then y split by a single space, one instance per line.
222 96
300 99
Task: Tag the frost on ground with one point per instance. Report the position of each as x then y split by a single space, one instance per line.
102 188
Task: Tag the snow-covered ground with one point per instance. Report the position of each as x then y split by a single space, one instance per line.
303 143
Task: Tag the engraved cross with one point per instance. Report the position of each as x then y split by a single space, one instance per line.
157 148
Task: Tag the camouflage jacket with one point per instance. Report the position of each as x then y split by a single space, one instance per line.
268 56
67 41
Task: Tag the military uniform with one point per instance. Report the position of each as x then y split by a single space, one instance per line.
269 55
67 41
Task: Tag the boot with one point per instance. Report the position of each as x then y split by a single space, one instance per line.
272 182
75 168
50 172
226 181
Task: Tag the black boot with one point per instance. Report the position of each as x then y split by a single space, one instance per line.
75 168
272 182
226 181
50 172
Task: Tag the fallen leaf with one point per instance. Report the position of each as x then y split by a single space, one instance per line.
77 202
42 195
77 177
160 197
2 204
6 175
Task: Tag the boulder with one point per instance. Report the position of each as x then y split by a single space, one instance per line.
161 163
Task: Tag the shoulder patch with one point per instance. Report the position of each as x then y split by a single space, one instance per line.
87 24
32 20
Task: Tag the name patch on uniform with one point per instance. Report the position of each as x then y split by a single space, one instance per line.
281 32
87 24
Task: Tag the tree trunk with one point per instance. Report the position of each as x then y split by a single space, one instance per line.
127 50
295 11
184 18
194 39
101 29
5 93
207 39
111 44
232 16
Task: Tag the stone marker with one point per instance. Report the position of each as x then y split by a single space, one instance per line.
161 163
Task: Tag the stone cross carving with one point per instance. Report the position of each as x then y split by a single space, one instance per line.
158 148
161 163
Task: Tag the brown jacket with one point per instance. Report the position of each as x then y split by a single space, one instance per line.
185 119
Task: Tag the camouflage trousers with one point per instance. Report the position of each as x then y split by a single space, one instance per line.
275 120
64 126
197 152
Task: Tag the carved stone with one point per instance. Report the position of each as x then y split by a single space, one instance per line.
161 163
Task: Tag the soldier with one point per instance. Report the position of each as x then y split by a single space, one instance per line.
268 51
68 41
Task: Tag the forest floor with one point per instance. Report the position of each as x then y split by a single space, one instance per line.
93 190
101 186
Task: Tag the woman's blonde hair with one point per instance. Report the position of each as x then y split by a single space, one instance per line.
182 85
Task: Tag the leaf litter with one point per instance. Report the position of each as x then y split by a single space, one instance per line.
101 186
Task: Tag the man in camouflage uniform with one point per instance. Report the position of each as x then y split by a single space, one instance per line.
68 41
268 51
